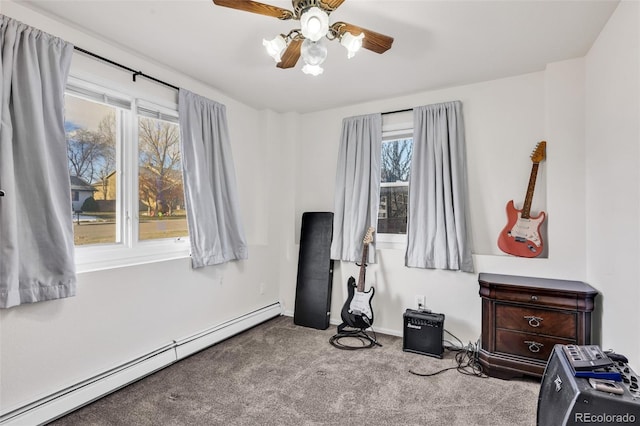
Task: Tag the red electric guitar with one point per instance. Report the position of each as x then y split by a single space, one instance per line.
521 237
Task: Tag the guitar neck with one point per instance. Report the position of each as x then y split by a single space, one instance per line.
526 209
363 267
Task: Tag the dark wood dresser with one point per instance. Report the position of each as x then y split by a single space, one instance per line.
524 317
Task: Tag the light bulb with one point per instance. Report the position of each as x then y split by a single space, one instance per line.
314 70
351 43
275 47
313 52
315 23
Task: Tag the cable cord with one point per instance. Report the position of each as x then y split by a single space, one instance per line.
466 360
366 340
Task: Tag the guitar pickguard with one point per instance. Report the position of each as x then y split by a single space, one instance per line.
361 304
527 230
357 311
521 236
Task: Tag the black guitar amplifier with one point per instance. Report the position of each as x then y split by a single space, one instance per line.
423 333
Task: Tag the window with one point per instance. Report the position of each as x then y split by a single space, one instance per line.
90 129
161 211
126 178
394 185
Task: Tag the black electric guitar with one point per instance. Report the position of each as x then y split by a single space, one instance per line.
357 311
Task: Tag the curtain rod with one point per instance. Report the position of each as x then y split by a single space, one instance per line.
135 73
397 111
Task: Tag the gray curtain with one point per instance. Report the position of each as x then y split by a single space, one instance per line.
36 231
215 226
437 230
357 191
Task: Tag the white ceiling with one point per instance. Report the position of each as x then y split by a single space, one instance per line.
437 44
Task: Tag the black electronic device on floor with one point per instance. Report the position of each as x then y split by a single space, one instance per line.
565 399
423 333
587 357
591 362
315 271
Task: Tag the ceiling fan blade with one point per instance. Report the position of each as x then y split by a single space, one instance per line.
330 5
256 7
373 41
291 55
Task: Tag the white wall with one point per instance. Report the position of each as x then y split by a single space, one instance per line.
612 179
504 120
123 313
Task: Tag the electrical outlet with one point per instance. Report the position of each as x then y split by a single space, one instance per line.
420 302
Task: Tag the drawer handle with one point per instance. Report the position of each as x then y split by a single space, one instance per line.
534 298
534 346
534 321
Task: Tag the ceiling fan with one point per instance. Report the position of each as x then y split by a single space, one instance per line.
306 42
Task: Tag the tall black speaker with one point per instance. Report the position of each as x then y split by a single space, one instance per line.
568 400
315 271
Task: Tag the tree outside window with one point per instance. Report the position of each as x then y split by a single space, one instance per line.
90 129
394 186
160 185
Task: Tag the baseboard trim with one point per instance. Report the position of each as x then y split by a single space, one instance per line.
67 400
213 335
337 322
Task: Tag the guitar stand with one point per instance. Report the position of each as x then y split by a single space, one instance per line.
353 333
344 331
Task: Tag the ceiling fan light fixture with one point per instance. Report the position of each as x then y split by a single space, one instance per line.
275 47
313 54
351 43
315 23
314 70
313 15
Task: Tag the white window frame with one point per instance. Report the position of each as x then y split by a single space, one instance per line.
391 132
129 251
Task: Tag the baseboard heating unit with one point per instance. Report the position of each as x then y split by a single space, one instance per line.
64 401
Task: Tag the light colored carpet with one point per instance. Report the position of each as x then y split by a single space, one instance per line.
279 373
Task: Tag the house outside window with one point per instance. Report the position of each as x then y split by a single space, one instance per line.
80 192
90 129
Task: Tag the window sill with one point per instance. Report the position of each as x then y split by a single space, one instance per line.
391 242
101 257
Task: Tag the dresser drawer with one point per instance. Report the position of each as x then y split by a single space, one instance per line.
536 297
523 318
527 345
537 320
